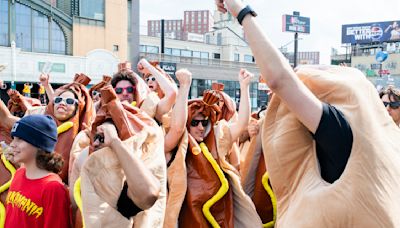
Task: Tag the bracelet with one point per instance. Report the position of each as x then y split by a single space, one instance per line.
242 14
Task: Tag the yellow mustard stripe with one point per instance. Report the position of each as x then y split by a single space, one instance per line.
4 188
64 127
273 200
222 190
78 198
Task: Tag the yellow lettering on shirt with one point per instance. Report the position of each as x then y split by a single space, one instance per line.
16 199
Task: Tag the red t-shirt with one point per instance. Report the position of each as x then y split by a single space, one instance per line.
38 203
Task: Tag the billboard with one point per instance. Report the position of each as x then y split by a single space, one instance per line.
294 23
387 31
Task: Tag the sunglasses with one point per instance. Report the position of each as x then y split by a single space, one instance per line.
68 101
98 137
95 93
392 105
150 78
128 89
195 123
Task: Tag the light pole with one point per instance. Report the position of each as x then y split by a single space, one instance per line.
14 64
135 32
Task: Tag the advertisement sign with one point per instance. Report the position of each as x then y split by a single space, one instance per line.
388 31
169 68
293 23
55 67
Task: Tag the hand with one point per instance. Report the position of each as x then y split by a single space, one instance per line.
253 128
44 79
109 132
245 77
233 6
143 66
184 77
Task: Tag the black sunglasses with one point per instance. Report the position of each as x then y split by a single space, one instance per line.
68 101
98 137
128 89
150 78
95 93
195 123
393 105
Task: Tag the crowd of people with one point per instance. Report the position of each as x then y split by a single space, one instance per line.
134 151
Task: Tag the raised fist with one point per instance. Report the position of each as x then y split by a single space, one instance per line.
184 77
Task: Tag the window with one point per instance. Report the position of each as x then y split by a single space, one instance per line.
217 56
236 57
248 58
167 51
142 48
219 39
40 32
152 49
176 52
186 53
207 39
93 9
204 55
4 22
23 30
57 39
196 54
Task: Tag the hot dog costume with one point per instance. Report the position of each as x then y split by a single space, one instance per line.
367 193
204 189
255 178
102 176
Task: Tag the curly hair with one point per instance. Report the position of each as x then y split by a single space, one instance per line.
52 162
392 92
123 75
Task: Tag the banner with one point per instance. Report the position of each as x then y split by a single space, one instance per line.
294 23
375 32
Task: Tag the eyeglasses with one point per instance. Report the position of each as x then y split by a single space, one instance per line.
150 78
195 123
392 105
95 93
128 89
98 137
68 101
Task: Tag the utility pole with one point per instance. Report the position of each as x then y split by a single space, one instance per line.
162 36
296 44
135 32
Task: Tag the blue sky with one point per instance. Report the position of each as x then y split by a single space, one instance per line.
326 17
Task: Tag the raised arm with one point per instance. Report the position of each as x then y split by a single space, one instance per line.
44 79
276 71
244 108
7 119
179 112
143 186
169 89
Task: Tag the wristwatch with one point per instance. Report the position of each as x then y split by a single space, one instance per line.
242 14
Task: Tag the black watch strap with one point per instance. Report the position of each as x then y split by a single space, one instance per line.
242 14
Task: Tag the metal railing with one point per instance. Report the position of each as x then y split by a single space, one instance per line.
196 61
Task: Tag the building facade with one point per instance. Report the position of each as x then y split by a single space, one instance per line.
173 29
93 36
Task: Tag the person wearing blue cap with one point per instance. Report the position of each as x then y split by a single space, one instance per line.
37 197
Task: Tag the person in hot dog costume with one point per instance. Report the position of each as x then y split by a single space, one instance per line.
71 108
253 172
204 189
123 180
331 148
132 89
